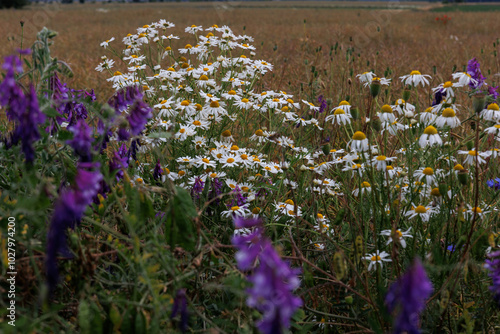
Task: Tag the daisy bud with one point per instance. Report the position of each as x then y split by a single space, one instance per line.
445 299
409 114
358 244
376 124
478 102
443 188
354 112
349 300
339 266
470 145
463 177
413 121
375 88
303 168
406 94
326 149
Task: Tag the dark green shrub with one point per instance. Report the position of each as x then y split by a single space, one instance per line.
13 3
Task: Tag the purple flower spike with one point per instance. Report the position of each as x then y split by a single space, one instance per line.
322 104
27 116
138 117
180 307
68 212
273 280
157 171
82 140
493 265
473 69
407 298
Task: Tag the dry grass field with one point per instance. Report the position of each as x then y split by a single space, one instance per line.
399 36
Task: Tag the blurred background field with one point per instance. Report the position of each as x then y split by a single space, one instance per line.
297 37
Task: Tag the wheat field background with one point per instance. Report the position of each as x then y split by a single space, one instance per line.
296 37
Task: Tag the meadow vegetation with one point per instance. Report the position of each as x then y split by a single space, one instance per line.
243 167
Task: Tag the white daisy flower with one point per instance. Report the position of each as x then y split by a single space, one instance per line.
448 118
491 113
430 137
472 155
398 235
377 258
415 78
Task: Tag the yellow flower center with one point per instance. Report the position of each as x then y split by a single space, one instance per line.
182 130
230 160
430 130
447 84
448 112
289 201
339 112
259 133
117 73
234 148
476 210
181 173
365 184
244 100
381 158
387 108
344 103
420 209
226 133
376 258
415 73
188 46
204 77
245 188
244 157
473 153
214 104
205 160
256 211
493 106
234 208
231 92
213 175
428 171
185 103
197 123
358 135
435 192
285 109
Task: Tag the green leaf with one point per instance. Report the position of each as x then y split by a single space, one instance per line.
64 135
51 112
179 227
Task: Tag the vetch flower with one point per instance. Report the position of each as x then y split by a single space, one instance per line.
82 140
273 280
68 211
406 297
180 308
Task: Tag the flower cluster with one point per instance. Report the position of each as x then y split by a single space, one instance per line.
272 280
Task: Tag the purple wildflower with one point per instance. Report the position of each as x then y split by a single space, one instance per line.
407 297
138 117
119 161
27 119
494 184
198 187
493 92
238 198
11 94
493 265
322 104
158 170
68 211
82 140
273 280
473 69
438 97
180 307
134 146
216 190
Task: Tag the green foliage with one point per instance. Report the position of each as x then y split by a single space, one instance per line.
14 3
